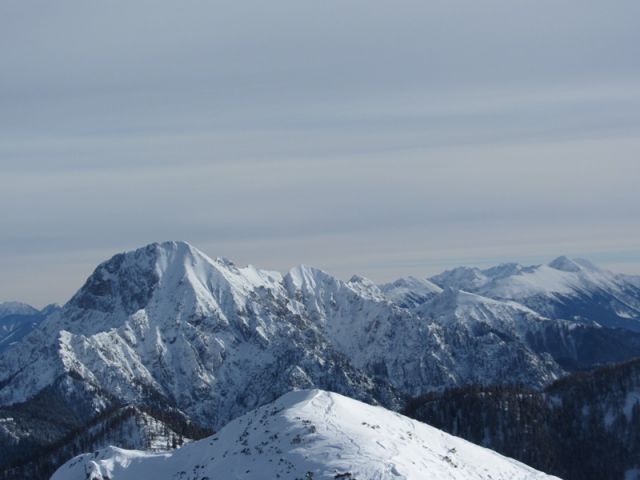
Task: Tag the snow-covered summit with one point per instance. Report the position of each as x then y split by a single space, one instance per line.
211 338
565 264
310 434
563 288
562 275
129 281
16 308
457 307
17 320
469 279
410 291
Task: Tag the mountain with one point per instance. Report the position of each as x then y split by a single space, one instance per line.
410 292
550 345
585 426
16 308
167 322
215 340
168 328
572 289
309 435
17 320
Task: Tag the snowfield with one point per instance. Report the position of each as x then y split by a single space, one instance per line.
309 434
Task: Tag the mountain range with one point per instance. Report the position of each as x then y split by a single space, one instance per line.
167 328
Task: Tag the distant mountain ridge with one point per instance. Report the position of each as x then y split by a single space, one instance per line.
16 308
18 319
565 288
167 326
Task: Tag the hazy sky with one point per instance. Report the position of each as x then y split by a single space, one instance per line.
383 138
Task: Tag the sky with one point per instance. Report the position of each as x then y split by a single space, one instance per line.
384 138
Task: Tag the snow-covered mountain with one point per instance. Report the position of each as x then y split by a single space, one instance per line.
17 320
16 308
215 340
565 288
309 435
410 292
168 327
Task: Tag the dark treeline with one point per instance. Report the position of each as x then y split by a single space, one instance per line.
583 427
117 425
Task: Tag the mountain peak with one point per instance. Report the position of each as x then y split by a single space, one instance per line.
565 264
170 244
128 279
462 278
131 276
16 308
304 277
178 252
584 263
360 279
420 284
503 270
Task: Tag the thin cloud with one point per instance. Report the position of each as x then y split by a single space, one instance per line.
384 140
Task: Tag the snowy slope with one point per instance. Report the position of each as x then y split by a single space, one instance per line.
511 280
458 306
17 320
565 288
16 308
410 291
378 338
309 435
491 338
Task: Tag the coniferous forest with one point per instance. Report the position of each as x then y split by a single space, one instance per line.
585 426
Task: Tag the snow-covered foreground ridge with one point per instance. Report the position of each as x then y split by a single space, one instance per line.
309 434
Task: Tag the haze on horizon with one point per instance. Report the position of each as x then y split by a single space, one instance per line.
384 138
